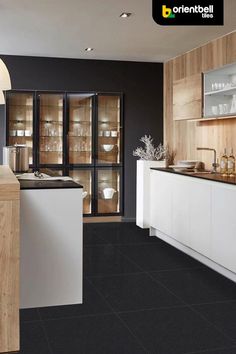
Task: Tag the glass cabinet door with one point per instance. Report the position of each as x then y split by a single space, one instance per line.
20 120
84 177
109 130
51 129
108 191
80 128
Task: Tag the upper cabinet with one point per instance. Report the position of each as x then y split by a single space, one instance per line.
20 113
80 128
220 92
109 130
187 98
51 107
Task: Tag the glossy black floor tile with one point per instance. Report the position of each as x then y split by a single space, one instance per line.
222 315
91 335
32 339
93 304
197 286
158 256
124 233
217 351
90 236
174 331
134 292
28 315
103 260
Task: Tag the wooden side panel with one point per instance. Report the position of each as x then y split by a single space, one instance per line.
168 99
187 98
9 260
9 276
184 136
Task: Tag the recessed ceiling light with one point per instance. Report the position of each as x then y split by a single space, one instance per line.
126 14
89 49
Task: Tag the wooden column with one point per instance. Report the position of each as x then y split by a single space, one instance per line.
9 260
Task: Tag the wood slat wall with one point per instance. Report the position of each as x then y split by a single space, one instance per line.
9 260
184 136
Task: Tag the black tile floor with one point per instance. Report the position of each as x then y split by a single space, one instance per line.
140 296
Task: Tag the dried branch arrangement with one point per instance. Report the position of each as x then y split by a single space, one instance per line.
150 152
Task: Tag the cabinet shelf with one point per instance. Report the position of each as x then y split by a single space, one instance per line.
211 118
52 106
57 151
228 92
80 122
51 122
220 104
22 106
79 136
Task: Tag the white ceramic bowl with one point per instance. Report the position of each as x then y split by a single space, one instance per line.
107 147
108 193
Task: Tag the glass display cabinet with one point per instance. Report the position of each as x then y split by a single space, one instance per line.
20 127
74 134
50 129
108 190
85 178
220 92
80 128
109 126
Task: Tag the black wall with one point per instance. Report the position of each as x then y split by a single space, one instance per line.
141 83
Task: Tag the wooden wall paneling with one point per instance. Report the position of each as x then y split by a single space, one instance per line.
231 47
168 103
193 64
214 54
185 135
187 97
9 261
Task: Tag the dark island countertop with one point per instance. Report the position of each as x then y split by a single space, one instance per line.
216 177
41 184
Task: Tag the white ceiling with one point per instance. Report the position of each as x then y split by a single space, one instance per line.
64 28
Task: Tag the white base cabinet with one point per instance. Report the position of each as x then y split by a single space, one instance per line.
224 226
143 191
51 247
198 214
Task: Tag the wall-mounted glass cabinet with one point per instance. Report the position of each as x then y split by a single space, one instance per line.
75 134
220 92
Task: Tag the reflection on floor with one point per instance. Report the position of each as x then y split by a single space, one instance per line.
140 296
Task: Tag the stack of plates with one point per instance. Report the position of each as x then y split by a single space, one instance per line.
184 165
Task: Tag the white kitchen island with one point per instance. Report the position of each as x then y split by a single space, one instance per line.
196 214
51 243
